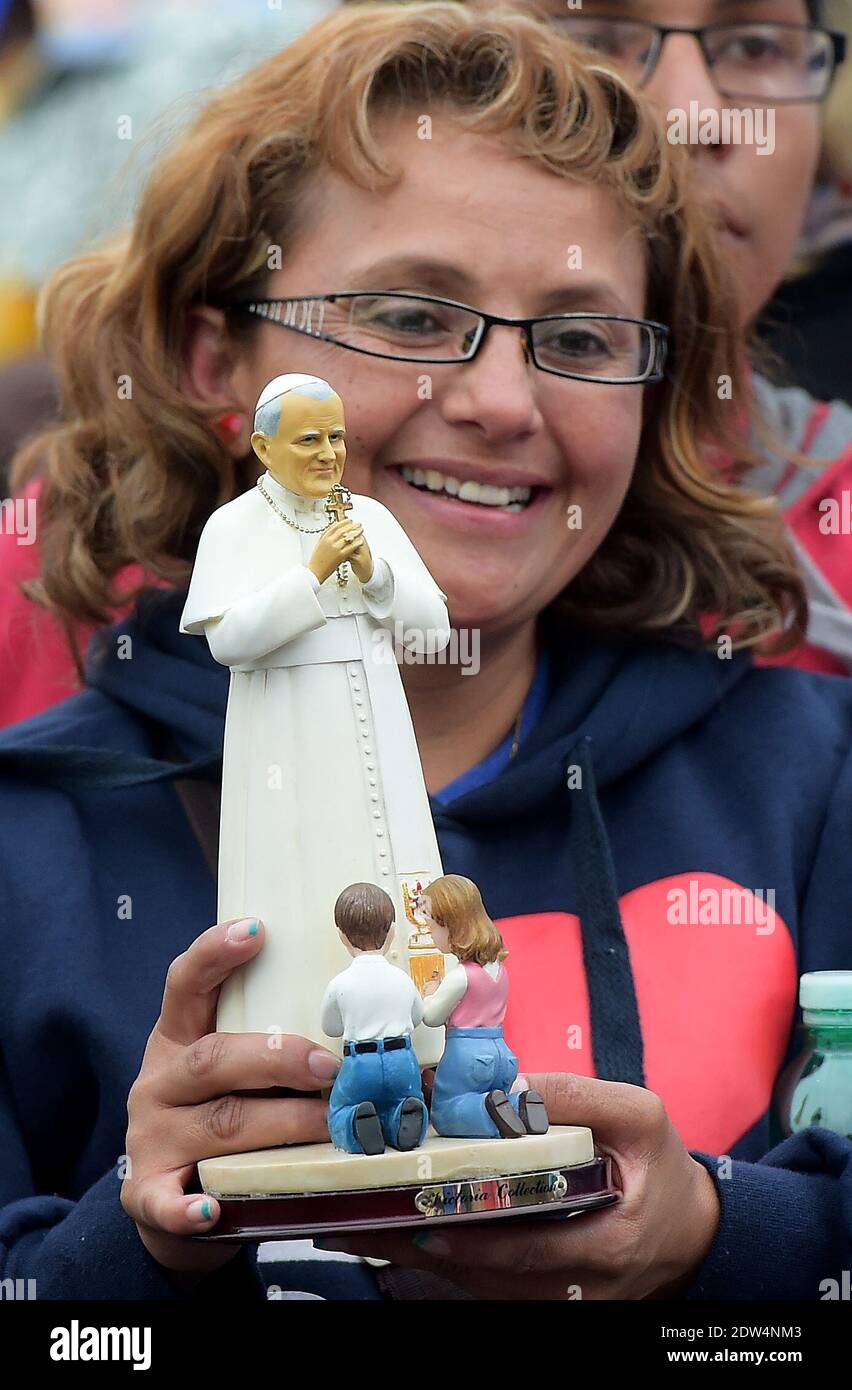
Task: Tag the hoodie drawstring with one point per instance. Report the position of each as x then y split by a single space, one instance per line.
75 769
617 1047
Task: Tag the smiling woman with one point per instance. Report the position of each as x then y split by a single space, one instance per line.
293 158
484 242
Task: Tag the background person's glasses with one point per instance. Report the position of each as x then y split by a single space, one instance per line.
606 348
770 62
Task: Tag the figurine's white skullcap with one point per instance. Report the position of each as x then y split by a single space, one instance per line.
291 381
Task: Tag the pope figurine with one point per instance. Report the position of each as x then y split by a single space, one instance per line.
472 1094
299 588
377 1097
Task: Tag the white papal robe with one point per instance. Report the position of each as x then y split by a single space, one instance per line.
322 784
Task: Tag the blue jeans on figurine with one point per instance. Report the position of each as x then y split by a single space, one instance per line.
390 1082
476 1062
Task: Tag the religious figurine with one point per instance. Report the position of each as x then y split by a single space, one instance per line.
385 1168
472 1093
377 1097
297 586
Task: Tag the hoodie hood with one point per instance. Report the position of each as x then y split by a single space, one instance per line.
153 707
625 698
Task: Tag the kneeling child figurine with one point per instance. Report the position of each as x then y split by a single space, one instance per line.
374 1006
472 1095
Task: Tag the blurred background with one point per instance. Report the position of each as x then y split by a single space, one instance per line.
90 91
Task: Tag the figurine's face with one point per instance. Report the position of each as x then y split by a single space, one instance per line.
439 933
308 452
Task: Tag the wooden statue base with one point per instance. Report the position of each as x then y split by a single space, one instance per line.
315 1189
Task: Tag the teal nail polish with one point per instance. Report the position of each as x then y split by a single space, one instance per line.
253 929
206 1210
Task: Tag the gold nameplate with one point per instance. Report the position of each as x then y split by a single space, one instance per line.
491 1194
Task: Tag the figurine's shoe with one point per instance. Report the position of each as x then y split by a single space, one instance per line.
368 1130
500 1109
410 1124
533 1112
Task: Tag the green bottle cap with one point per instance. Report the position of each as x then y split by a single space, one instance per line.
826 989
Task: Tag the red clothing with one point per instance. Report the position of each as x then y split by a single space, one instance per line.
817 505
812 520
36 666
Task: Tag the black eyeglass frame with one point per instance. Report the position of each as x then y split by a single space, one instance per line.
659 331
662 32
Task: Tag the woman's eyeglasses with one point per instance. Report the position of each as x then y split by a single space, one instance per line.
606 348
768 63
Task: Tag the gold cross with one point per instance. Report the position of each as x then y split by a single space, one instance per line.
338 502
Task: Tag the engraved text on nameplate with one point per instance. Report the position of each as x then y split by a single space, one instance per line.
491 1194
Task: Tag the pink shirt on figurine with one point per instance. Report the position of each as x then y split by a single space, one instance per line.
483 1004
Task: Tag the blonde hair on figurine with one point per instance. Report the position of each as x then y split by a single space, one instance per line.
457 905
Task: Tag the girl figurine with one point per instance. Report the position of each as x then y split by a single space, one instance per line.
472 1093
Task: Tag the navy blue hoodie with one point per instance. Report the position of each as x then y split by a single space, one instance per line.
670 849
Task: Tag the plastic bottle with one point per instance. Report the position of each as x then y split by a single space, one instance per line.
817 1089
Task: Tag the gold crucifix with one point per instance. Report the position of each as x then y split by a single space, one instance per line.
337 504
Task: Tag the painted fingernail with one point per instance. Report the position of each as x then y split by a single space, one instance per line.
323 1065
243 930
431 1244
200 1211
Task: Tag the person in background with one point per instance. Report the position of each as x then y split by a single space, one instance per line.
808 322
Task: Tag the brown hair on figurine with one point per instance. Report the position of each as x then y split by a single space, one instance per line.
457 905
365 915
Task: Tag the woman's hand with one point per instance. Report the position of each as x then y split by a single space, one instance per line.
649 1244
183 1105
344 540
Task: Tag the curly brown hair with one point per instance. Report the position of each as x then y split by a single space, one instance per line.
133 480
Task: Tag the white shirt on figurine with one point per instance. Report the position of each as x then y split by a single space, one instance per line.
371 999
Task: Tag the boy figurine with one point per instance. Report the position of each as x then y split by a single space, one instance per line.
374 1006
